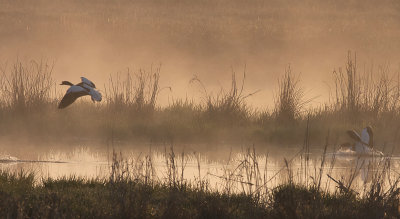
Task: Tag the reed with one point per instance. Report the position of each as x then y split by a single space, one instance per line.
290 99
131 112
27 86
137 92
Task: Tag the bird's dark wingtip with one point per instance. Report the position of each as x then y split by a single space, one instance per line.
60 106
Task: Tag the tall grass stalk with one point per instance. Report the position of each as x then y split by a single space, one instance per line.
27 86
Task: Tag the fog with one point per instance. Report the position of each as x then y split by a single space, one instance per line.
210 39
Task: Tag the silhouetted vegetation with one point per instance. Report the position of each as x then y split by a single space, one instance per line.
129 110
134 191
190 33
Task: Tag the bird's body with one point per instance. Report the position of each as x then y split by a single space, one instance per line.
363 144
86 87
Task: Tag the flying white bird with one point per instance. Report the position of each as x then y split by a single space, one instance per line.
86 87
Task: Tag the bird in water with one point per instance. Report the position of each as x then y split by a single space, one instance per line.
85 87
364 144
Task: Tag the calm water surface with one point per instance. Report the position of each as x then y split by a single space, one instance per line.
236 169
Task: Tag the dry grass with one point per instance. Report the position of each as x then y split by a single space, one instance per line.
27 86
226 106
290 98
130 110
138 92
370 93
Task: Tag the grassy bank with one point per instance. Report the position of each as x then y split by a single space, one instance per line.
74 198
129 110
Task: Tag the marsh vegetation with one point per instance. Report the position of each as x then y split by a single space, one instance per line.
169 118
129 112
133 188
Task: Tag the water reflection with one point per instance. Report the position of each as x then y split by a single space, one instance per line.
242 171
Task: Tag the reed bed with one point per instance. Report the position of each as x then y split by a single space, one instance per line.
129 112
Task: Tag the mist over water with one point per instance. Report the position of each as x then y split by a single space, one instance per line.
209 40
91 162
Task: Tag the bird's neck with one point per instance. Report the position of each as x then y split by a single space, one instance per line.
67 83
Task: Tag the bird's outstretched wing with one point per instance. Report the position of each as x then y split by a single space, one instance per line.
354 135
72 94
367 136
96 95
88 82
